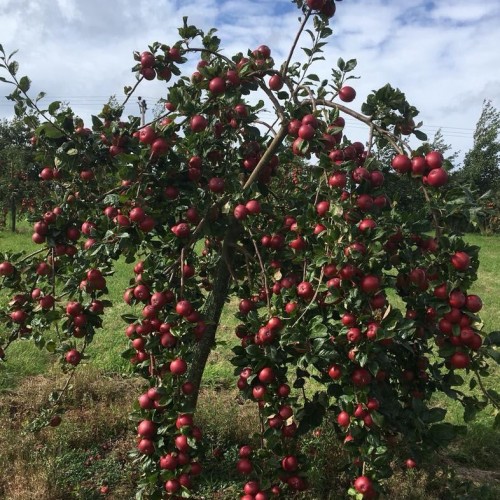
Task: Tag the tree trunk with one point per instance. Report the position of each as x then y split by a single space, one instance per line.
211 315
13 213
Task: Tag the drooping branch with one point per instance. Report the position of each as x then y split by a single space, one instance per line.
214 53
368 120
434 214
262 269
296 40
277 106
493 400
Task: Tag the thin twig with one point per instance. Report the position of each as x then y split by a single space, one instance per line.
370 140
269 127
294 45
311 96
492 399
277 106
243 250
433 213
368 120
182 271
261 419
36 252
312 300
213 52
132 90
35 106
263 269
228 264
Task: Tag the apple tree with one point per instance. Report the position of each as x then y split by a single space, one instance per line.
19 186
351 310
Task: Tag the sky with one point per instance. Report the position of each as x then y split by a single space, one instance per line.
443 54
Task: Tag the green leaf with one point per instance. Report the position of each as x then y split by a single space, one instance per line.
24 84
50 131
341 64
310 416
434 415
129 318
19 109
311 34
188 31
96 122
420 135
442 434
471 407
318 330
492 339
314 78
50 346
493 354
13 67
350 65
299 383
253 350
53 107
378 418
496 423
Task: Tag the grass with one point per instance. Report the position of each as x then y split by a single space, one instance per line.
91 446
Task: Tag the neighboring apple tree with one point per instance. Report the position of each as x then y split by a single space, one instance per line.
482 163
348 308
19 186
481 169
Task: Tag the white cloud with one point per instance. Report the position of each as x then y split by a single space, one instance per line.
69 9
464 10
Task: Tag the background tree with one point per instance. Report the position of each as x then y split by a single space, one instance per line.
439 143
19 184
481 172
481 167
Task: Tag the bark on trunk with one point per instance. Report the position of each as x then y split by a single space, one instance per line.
13 214
212 313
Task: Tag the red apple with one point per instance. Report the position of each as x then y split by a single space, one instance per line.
276 82
178 367
347 94
343 419
73 357
198 123
401 163
6 269
217 85
437 177
460 261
